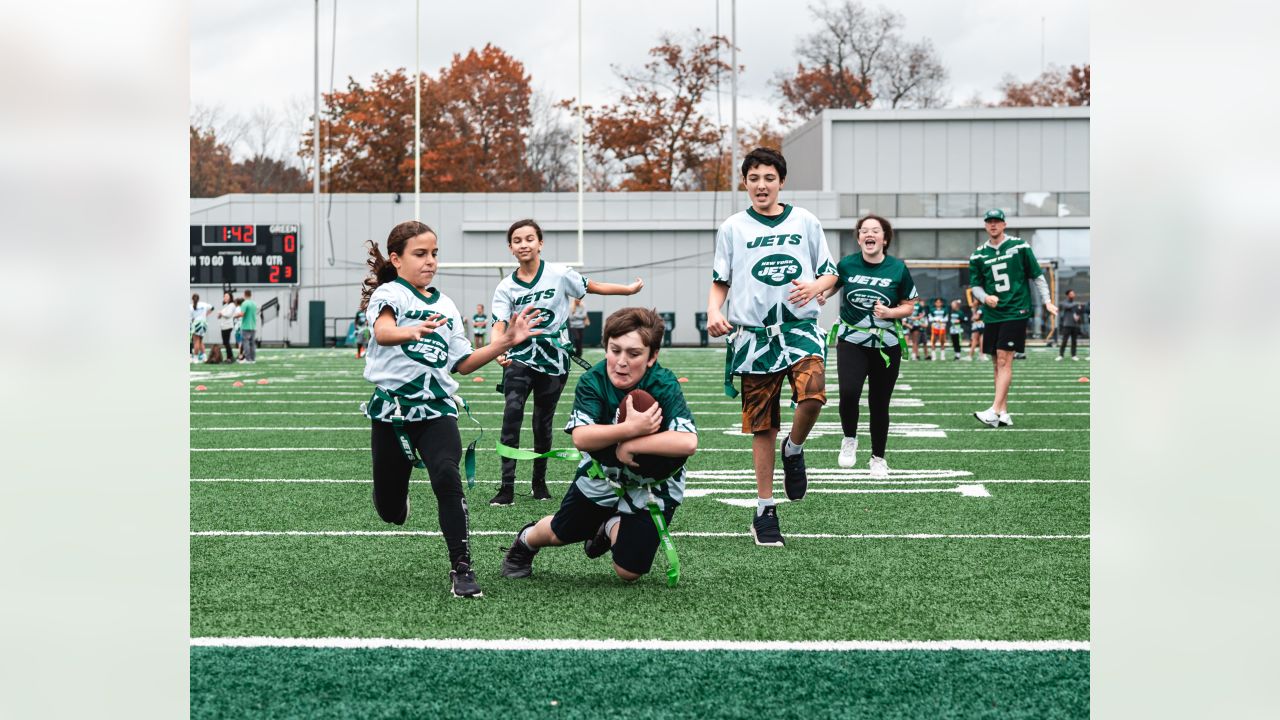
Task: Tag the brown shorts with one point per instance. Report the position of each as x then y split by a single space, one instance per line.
761 394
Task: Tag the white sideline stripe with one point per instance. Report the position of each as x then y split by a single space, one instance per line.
357 396
693 475
365 428
354 643
701 450
436 533
735 403
356 413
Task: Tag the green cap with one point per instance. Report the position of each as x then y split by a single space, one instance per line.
995 214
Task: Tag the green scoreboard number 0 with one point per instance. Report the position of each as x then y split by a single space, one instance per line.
244 255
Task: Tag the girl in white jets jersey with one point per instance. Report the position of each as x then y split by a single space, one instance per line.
418 341
539 365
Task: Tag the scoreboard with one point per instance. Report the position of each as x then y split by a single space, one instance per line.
244 255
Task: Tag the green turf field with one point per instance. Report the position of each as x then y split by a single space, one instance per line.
304 604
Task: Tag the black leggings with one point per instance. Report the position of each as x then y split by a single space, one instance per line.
518 382
226 343
955 342
857 364
1073 332
440 447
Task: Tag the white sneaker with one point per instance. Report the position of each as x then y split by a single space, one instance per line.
848 452
1059 358
1073 357
988 417
1006 419
968 358
879 468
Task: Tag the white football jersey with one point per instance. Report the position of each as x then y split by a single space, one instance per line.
416 375
549 291
758 258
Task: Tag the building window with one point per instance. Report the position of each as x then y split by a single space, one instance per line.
915 244
958 205
957 244
1038 204
1073 204
882 205
848 205
921 205
1008 202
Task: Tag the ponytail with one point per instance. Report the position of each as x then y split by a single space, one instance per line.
381 271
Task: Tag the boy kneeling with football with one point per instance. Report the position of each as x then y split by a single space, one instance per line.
635 432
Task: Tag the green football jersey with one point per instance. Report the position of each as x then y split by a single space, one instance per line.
862 285
595 402
1006 272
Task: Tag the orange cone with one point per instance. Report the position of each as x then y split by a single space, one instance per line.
262 381
477 379
237 384
201 388
1083 379
682 379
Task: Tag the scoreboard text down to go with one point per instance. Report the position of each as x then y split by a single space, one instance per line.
244 255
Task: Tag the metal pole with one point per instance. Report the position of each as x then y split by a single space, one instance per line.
581 150
733 30
417 111
315 146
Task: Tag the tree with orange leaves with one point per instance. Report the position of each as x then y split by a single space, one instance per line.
1054 88
212 172
657 132
475 119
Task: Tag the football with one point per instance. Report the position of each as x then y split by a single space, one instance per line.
640 400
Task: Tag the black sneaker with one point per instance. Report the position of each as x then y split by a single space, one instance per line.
764 528
506 496
540 492
464 581
518 562
794 478
598 545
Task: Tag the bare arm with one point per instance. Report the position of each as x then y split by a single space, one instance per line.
521 329
717 325
802 293
596 437
670 443
387 333
602 288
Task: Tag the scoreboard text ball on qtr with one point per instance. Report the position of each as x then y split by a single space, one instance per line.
244 254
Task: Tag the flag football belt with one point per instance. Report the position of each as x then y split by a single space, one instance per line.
659 521
406 445
763 334
834 335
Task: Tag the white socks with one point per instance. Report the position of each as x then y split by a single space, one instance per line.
761 504
790 449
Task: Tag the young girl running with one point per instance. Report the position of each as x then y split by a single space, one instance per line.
418 341
538 366
876 291
955 327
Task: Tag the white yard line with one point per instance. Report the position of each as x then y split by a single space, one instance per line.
436 533
695 480
700 450
862 429
355 643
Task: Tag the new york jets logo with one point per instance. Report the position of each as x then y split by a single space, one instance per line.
776 270
546 319
431 351
865 298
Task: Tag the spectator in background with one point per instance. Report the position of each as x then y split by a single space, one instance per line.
363 332
239 338
578 322
1072 314
975 329
249 327
199 312
479 324
226 323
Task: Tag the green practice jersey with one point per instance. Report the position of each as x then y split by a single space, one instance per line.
1006 272
595 402
250 319
862 285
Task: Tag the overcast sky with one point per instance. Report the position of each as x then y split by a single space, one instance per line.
247 54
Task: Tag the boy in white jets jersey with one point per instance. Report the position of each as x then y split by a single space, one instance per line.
540 365
771 260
